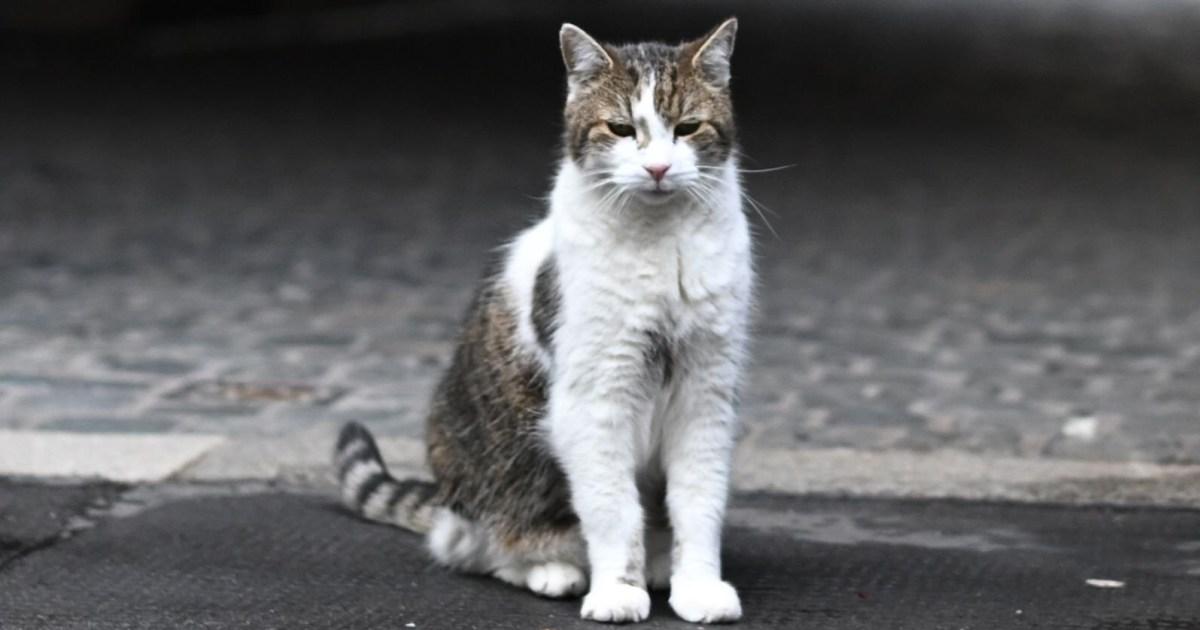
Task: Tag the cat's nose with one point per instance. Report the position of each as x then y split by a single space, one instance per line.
657 171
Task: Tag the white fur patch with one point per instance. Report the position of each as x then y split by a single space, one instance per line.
525 257
682 270
645 115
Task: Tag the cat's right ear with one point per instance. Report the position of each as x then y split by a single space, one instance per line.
584 56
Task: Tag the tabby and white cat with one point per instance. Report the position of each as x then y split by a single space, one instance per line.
583 433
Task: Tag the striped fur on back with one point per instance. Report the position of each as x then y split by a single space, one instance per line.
370 491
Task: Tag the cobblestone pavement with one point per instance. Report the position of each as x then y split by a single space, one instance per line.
232 245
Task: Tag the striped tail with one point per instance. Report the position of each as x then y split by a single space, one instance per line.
371 492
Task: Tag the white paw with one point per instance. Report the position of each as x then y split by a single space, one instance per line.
658 572
556 579
616 602
705 601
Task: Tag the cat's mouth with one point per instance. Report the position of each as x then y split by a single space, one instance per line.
657 194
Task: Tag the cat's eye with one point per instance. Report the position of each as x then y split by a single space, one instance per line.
622 130
686 129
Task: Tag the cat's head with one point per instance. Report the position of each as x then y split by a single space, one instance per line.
650 119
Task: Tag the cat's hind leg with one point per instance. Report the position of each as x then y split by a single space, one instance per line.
549 579
460 543
550 565
555 562
556 579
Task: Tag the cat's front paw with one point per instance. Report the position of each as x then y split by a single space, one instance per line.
616 602
705 600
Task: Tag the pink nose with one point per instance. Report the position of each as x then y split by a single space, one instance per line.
657 171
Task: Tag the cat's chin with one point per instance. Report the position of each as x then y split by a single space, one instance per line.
657 197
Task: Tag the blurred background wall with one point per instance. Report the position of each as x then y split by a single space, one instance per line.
985 242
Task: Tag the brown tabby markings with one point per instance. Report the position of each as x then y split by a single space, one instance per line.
484 445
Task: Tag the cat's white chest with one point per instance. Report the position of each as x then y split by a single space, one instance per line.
688 277
671 270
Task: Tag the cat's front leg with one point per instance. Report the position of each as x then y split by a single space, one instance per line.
594 410
697 453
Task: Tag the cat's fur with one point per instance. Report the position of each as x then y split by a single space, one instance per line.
583 434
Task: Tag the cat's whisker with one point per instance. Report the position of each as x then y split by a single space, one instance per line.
745 195
602 178
758 206
752 171
621 203
625 198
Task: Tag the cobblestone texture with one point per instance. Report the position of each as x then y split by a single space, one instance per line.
972 277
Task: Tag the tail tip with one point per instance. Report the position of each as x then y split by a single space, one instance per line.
355 443
353 432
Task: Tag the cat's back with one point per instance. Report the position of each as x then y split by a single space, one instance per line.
481 432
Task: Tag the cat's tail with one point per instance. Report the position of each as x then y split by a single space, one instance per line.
371 492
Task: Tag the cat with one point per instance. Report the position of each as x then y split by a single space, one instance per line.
582 437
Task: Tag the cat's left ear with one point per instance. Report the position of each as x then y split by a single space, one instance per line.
583 55
712 53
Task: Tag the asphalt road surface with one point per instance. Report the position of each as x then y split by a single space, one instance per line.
228 557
